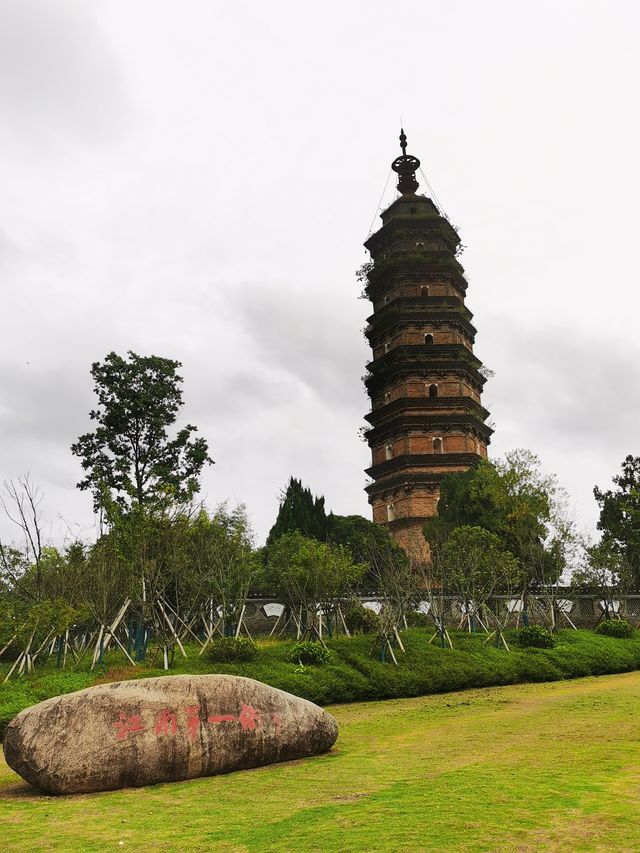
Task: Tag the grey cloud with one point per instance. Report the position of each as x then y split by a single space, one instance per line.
574 387
57 70
10 253
306 337
41 404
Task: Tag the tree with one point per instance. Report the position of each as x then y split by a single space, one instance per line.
437 531
311 576
478 566
40 586
299 511
130 457
140 567
524 507
366 541
620 515
20 501
223 562
606 573
396 581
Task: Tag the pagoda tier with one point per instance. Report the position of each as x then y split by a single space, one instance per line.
424 381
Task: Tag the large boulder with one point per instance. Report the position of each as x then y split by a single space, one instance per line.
161 729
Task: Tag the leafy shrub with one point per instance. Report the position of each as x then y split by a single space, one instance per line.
232 650
361 620
615 628
310 653
416 619
536 636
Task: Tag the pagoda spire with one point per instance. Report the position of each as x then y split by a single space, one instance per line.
406 166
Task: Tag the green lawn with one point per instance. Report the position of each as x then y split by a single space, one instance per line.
530 767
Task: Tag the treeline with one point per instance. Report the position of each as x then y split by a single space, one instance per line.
164 570
507 526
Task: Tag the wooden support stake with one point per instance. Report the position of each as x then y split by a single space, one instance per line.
276 624
239 625
173 630
96 651
127 655
6 646
64 650
114 625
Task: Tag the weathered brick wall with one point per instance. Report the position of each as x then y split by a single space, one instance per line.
415 442
400 288
413 335
417 386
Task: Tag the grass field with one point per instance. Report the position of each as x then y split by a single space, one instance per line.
553 767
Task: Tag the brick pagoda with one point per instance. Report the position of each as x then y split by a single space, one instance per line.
424 380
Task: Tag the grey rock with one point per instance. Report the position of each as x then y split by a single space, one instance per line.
132 733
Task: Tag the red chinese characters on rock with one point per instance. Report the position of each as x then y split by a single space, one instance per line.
193 720
249 718
127 725
222 718
166 721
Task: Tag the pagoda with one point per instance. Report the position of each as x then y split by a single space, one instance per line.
424 381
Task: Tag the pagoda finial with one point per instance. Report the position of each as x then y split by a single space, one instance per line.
403 142
406 166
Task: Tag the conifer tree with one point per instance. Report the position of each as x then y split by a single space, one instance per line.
300 511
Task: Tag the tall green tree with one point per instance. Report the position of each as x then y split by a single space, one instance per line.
514 499
620 515
299 511
368 543
134 457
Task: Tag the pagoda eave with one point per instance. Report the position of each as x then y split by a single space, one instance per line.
441 368
432 422
406 319
415 461
426 405
405 303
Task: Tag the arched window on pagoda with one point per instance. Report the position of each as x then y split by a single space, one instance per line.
428 339
433 390
424 290
387 397
390 512
437 445
388 451
387 346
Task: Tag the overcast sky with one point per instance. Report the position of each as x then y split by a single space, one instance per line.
195 180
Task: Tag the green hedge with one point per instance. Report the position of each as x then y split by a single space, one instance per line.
352 674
